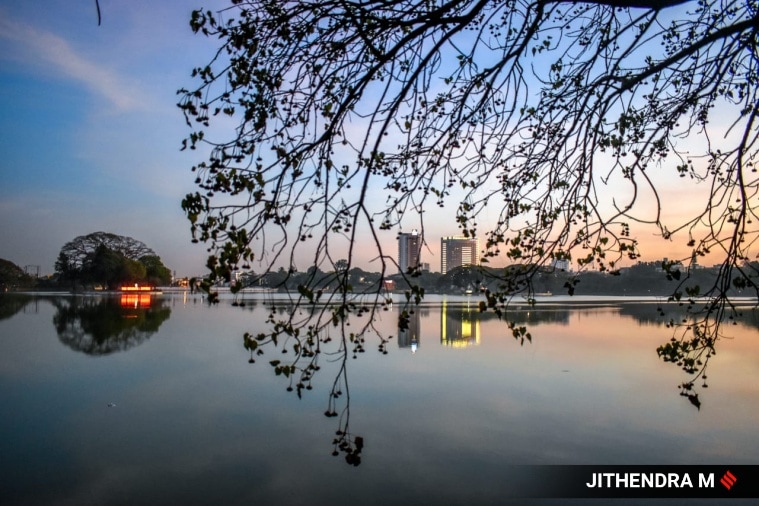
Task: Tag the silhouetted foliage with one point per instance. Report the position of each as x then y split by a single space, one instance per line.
109 260
550 119
13 277
155 272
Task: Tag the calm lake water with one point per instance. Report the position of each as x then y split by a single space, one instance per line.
109 401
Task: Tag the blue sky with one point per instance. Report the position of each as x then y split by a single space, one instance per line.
90 134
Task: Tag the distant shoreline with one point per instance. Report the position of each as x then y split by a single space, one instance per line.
400 298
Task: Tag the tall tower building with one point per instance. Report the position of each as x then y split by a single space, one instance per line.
409 250
458 252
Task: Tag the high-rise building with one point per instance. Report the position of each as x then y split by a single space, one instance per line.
561 265
458 252
409 250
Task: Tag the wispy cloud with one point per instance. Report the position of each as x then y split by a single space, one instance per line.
41 47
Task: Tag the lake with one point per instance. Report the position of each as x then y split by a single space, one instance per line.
110 401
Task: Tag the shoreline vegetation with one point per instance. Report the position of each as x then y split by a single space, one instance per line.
393 298
654 279
649 279
662 280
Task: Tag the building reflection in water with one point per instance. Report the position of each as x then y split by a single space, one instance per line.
410 337
459 326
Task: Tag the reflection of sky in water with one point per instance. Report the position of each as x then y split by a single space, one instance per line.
194 423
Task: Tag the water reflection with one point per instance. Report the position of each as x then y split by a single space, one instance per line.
411 336
105 325
439 427
459 326
460 322
11 303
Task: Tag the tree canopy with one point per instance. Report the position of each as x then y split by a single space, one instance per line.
12 276
532 106
109 260
549 125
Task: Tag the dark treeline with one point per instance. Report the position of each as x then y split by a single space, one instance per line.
642 279
13 277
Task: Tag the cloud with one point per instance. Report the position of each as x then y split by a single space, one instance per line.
55 52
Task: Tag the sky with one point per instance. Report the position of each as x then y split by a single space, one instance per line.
90 134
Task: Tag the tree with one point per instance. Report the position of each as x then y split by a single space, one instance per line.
65 270
558 117
156 272
109 260
13 277
80 248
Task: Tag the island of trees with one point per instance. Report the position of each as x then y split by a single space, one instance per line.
99 260
107 261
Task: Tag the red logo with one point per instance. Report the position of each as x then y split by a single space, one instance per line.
728 480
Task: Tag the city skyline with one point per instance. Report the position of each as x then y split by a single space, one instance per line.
455 251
